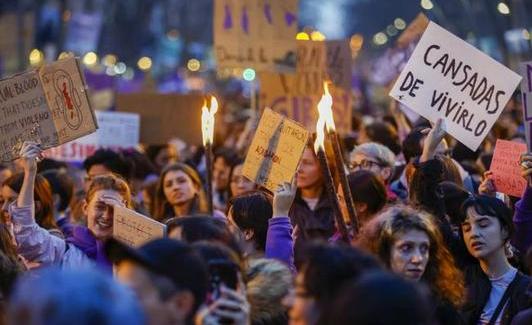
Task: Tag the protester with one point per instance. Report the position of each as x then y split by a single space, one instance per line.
162 155
5 173
62 191
311 212
409 243
369 194
239 184
380 298
224 160
323 271
104 162
169 278
373 157
380 132
496 290
179 193
83 246
83 297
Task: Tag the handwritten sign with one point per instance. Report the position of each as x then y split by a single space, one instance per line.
49 106
526 93
275 151
255 34
448 78
116 131
134 229
505 167
280 93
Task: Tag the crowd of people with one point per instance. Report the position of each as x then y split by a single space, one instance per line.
436 242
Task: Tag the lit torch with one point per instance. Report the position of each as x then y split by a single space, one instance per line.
207 130
319 148
325 110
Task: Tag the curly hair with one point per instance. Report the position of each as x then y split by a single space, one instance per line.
441 273
110 182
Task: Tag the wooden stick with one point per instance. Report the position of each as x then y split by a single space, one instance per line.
208 165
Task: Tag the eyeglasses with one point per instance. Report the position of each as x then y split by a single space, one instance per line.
364 164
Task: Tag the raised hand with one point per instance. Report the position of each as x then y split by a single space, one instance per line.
487 187
283 198
435 135
30 154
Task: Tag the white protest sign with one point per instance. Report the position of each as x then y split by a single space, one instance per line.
526 93
448 78
275 151
116 131
135 229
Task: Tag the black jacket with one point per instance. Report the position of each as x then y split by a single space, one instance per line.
478 290
317 224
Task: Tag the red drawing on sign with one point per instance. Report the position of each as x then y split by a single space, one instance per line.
67 99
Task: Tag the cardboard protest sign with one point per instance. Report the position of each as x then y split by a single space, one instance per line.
49 107
526 93
279 92
323 61
116 131
275 151
64 87
135 229
505 167
165 116
448 78
255 34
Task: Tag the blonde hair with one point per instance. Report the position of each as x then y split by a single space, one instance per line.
110 182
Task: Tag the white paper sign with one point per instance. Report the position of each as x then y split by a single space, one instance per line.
134 229
116 131
447 77
526 92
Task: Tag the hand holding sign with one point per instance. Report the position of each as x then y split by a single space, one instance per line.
30 154
433 140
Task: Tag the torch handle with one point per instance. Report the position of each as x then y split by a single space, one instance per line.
344 182
208 166
333 197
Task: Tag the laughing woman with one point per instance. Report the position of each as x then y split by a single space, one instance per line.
179 193
408 242
83 246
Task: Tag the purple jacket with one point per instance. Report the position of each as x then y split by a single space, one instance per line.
522 238
279 242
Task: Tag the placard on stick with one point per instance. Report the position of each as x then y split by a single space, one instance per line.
448 78
275 151
526 93
135 229
505 167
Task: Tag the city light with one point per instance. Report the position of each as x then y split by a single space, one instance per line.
120 68
380 38
90 59
427 4
64 55
144 63
302 36
399 23
248 74
391 30
526 34
193 64
36 57
317 36
109 60
356 42
503 8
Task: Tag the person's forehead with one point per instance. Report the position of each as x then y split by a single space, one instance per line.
100 194
362 156
412 235
175 174
473 215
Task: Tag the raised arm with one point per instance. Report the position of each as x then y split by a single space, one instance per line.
433 139
279 241
522 238
34 243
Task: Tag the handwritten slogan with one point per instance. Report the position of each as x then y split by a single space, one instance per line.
275 151
32 109
526 93
297 95
505 167
257 34
134 229
446 77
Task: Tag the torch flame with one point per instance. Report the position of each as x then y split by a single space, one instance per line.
207 120
325 108
320 135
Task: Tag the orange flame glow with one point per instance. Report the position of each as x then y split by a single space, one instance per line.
325 108
207 120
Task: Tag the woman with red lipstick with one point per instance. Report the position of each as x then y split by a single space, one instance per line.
179 193
409 243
